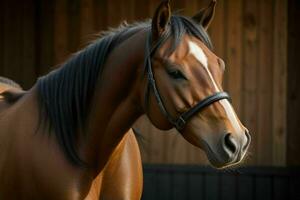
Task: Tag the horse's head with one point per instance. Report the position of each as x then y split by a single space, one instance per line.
184 86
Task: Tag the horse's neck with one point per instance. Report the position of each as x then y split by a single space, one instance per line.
116 104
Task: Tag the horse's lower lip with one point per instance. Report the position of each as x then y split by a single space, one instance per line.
218 163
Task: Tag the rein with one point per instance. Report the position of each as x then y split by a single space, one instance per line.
179 122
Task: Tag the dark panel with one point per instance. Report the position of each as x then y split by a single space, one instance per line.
280 188
295 185
198 183
179 186
196 189
149 190
246 188
212 189
228 186
263 187
164 186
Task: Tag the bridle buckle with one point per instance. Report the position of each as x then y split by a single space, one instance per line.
180 123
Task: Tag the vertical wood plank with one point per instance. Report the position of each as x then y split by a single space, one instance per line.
113 7
293 96
279 83
127 10
265 81
179 149
217 30
191 7
178 6
29 45
86 21
100 15
142 9
13 41
157 153
73 25
233 54
152 7
45 53
60 31
2 37
250 63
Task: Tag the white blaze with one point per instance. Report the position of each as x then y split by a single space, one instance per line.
199 54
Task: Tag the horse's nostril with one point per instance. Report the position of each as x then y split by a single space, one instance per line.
248 140
229 143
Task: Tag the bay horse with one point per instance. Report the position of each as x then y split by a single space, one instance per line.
51 147
115 180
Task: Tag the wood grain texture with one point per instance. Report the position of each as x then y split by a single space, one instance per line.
28 59
293 81
234 52
45 36
249 76
12 44
2 37
60 31
265 81
73 25
279 83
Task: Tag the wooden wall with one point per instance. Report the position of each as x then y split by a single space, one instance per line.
251 36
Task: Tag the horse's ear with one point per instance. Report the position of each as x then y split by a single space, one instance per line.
161 19
206 15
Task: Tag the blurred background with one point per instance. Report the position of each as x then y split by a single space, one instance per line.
259 41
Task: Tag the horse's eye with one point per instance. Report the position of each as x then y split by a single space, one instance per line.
176 74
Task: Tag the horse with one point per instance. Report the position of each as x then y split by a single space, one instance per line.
51 147
115 174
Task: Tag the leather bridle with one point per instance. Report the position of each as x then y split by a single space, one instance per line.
179 122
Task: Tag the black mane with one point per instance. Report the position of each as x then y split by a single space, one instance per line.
65 94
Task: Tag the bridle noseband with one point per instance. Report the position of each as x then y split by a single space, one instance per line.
181 121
